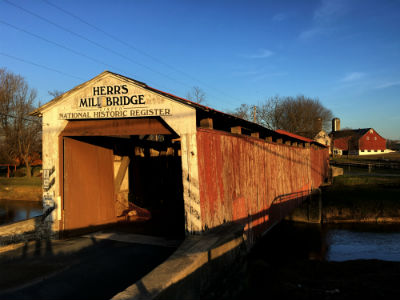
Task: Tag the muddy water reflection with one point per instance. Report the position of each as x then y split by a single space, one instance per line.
331 242
13 211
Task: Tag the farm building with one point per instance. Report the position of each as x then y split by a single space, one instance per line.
323 138
365 141
116 150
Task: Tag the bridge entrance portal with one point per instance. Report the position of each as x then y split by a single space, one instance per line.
122 172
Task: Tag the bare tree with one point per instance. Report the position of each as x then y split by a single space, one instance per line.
22 132
55 93
243 112
300 115
393 144
196 94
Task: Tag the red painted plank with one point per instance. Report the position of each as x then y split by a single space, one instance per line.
240 177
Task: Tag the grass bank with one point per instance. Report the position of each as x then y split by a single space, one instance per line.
364 198
393 157
354 199
21 188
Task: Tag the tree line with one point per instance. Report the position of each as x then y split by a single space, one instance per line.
301 115
20 133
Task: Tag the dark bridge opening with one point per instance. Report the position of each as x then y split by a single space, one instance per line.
122 178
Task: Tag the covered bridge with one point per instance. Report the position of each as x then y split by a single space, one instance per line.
118 151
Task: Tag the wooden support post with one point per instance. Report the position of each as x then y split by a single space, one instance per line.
255 134
279 141
121 173
268 138
236 129
170 151
207 123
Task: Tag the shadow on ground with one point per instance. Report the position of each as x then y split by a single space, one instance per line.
76 268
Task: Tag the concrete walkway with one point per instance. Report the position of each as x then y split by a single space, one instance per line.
94 266
198 266
113 265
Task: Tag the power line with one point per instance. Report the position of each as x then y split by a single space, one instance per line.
92 42
22 118
115 52
39 65
131 46
59 45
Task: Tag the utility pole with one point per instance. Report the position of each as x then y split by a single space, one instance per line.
255 114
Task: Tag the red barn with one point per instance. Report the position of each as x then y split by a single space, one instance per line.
365 141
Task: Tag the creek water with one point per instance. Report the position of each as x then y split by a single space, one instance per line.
332 242
13 211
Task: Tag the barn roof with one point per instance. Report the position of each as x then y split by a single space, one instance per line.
345 139
356 133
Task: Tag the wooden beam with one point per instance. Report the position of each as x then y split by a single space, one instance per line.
288 143
307 145
121 173
294 144
279 141
255 134
236 130
268 138
207 123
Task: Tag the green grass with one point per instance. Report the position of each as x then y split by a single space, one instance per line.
21 181
383 181
364 196
395 157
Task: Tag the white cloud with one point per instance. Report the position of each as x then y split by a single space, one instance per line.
330 9
324 18
279 17
388 84
264 53
353 76
309 33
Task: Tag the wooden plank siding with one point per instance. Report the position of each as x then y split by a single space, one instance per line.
319 166
241 176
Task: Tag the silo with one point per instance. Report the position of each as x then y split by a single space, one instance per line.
335 124
317 125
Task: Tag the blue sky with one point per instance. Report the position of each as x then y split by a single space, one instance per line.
344 52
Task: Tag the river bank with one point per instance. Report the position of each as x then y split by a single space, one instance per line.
354 199
21 188
346 246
